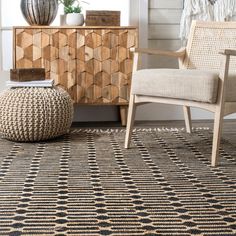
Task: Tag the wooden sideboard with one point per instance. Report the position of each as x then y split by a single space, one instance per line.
93 64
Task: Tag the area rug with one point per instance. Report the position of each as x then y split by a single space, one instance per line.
86 183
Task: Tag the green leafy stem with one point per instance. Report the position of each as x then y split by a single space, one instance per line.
71 6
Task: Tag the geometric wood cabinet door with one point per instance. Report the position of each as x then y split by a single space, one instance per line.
92 63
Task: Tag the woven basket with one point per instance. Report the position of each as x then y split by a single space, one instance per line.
34 114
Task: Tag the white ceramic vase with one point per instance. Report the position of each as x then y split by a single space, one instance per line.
74 19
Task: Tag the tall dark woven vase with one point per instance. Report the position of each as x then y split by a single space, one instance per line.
39 12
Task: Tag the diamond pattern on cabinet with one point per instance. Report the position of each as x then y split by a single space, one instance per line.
93 64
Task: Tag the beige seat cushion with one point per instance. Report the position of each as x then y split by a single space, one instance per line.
194 85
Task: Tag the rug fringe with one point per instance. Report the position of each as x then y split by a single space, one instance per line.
123 130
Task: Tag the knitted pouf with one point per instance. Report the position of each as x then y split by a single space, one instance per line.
33 114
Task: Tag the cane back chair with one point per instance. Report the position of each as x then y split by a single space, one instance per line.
206 78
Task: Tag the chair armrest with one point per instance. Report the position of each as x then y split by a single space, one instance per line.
178 53
231 52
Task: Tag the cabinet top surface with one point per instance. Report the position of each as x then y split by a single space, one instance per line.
73 27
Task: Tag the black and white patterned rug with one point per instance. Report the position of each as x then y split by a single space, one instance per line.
86 183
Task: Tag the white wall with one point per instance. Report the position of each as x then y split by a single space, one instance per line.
164 19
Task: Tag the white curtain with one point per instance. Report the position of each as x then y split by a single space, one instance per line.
206 10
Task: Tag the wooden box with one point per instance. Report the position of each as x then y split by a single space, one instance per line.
27 74
102 18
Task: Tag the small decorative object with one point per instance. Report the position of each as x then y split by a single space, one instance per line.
33 114
41 12
74 19
102 18
27 74
63 19
72 10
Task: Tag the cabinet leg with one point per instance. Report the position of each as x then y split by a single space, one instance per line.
123 114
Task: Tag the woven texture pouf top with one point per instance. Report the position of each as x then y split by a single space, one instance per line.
33 114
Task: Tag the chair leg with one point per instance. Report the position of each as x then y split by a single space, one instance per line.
218 123
130 120
187 118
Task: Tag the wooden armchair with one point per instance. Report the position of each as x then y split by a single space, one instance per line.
206 78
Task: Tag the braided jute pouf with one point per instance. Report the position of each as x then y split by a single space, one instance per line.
32 114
